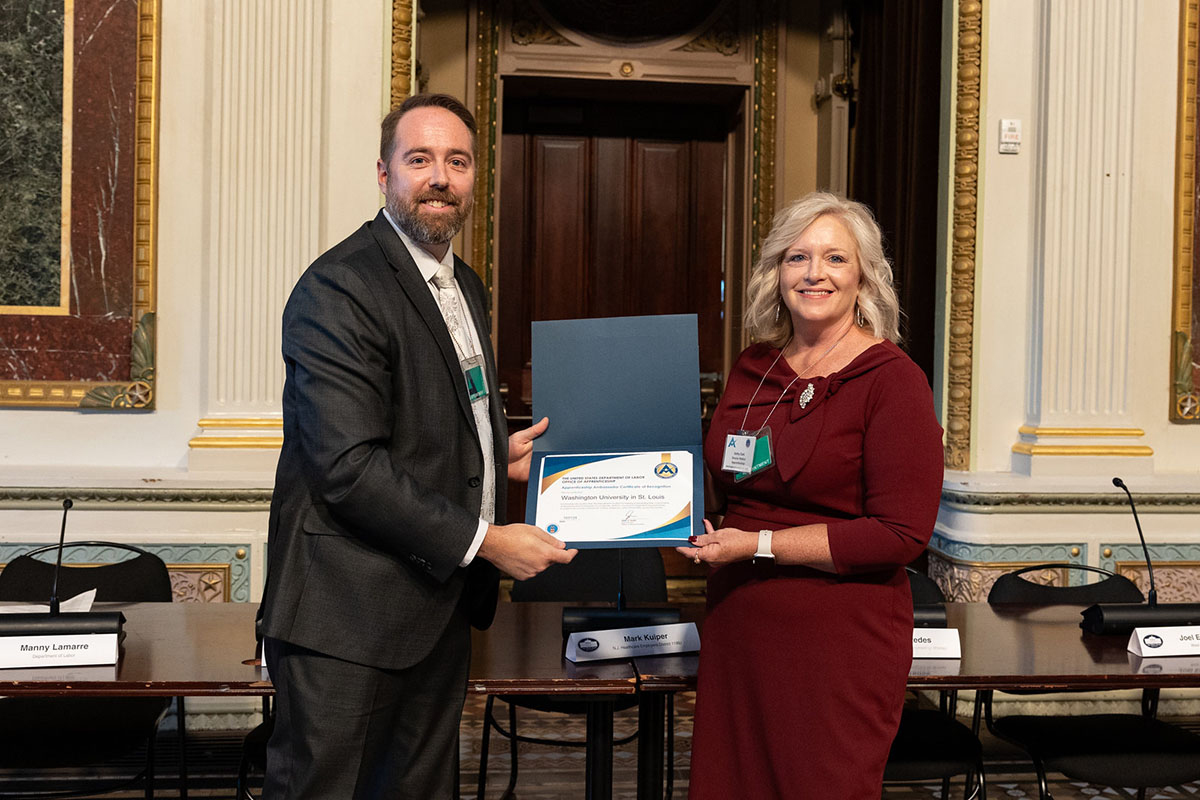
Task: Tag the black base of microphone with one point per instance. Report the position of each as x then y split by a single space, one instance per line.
43 624
929 616
1115 618
602 618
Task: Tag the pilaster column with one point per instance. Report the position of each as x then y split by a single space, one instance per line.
1078 418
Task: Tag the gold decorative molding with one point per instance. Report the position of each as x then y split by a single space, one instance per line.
240 422
402 50
766 74
1032 430
234 442
487 53
1029 449
1185 399
968 61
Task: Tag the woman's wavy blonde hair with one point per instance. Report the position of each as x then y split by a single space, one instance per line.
767 318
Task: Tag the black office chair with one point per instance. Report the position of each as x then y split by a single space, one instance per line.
591 576
43 732
1116 750
932 744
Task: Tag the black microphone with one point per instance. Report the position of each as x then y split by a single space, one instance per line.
1152 596
1122 618
56 623
62 538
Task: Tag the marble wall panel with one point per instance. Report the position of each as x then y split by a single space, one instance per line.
92 341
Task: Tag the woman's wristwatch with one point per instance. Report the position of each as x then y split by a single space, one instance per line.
763 554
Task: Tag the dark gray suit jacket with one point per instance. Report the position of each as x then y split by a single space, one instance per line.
378 488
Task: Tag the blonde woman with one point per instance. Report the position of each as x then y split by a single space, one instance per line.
829 456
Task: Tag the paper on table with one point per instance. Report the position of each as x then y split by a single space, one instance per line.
80 603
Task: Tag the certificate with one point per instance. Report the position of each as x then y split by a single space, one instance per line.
617 499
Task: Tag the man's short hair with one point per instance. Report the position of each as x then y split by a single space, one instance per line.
387 129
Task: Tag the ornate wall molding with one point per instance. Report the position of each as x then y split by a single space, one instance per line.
487 53
140 498
403 49
1067 502
1185 397
961 343
530 27
766 75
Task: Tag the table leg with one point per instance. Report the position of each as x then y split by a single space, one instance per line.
599 749
181 729
651 707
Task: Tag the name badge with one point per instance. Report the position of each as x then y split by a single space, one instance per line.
763 456
739 452
1177 640
473 373
936 643
648 640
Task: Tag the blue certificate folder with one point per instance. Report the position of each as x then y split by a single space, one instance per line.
619 385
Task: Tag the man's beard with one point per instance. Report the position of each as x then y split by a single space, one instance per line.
433 228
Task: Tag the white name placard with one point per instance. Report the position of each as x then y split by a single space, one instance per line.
936 643
1178 640
58 650
650 640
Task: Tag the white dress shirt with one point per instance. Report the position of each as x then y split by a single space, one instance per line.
427 265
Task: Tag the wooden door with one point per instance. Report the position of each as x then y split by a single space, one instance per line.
608 208
611 207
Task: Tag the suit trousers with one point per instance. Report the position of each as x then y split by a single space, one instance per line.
346 730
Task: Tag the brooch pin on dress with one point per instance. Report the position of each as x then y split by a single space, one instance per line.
806 395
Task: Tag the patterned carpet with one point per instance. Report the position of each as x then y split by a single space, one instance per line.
548 773
557 773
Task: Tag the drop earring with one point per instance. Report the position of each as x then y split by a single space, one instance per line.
859 319
778 311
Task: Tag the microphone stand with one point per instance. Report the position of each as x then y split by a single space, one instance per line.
62 537
56 622
1105 618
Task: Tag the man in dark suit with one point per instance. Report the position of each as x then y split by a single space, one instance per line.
383 546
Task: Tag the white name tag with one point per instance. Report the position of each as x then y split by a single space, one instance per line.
1179 640
650 640
58 650
739 453
936 643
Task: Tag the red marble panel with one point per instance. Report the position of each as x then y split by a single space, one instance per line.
92 343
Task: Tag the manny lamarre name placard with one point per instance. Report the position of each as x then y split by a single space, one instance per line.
58 650
650 640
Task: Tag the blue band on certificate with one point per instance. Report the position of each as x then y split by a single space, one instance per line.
612 499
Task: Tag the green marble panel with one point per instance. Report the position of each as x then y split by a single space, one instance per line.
31 142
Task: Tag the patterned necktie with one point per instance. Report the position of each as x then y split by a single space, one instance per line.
451 309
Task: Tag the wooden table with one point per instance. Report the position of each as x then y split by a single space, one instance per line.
522 653
207 650
1004 648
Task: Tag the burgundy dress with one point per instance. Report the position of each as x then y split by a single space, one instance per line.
802 672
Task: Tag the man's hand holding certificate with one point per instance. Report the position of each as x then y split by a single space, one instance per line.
619 465
616 497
